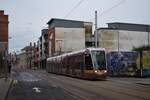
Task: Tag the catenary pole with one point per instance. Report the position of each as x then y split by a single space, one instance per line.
96 29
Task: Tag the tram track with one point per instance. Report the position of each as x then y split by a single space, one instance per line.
99 89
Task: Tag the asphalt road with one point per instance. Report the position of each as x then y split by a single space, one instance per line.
40 85
28 85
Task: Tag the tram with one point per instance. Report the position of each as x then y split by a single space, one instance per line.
89 63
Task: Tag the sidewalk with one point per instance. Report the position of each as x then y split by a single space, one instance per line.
4 87
144 81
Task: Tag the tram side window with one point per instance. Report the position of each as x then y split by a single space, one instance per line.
77 62
88 62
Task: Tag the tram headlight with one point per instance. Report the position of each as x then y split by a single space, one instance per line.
96 71
105 71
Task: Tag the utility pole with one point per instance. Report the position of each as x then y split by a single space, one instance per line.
96 29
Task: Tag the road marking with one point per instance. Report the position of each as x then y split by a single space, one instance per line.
53 85
37 90
54 78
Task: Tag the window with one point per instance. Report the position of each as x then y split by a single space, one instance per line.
98 58
88 62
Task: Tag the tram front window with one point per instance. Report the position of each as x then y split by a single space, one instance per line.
99 61
88 62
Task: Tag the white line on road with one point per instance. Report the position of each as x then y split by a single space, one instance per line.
54 77
37 90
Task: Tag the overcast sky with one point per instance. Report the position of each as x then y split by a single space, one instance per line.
28 17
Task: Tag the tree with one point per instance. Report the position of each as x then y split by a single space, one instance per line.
141 48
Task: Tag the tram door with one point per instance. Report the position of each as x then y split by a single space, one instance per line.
88 62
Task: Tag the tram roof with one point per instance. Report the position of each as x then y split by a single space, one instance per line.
76 52
101 49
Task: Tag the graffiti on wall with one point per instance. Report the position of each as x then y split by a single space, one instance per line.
122 63
128 63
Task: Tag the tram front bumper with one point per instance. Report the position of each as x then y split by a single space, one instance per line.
96 74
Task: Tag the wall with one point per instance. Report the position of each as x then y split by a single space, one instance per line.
127 39
69 39
88 34
122 63
3 42
3 27
43 54
108 39
22 60
128 63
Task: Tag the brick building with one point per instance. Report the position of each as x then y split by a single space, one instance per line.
3 41
3 27
36 56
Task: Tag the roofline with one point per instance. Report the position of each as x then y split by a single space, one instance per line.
128 23
106 28
66 20
27 47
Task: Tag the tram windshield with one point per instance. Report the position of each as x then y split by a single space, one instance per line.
99 60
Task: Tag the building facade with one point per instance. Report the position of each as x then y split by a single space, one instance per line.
35 56
43 48
68 35
29 53
31 56
3 42
123 36
22 63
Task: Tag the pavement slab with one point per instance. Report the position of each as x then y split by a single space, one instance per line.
5 85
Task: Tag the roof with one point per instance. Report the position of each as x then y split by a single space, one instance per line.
128 23
76 52
65 20
2 12
66 23
129 26
44 31
103 28
52 19
27 48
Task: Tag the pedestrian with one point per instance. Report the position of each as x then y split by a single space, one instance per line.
9 67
